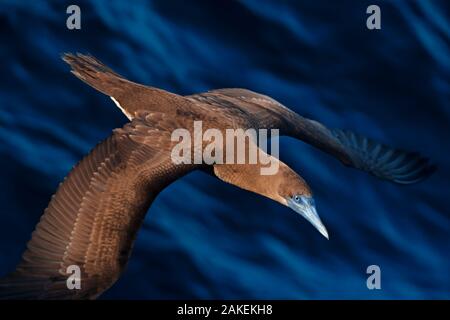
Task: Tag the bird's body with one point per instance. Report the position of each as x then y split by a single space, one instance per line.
92 220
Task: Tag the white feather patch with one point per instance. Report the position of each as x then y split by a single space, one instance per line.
120 107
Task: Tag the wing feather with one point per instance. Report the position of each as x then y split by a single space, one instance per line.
93 218
352 149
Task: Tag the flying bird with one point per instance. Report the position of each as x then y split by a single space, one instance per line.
93 218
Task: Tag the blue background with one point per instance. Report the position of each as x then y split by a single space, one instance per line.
203 238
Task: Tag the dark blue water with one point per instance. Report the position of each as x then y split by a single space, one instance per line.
203 238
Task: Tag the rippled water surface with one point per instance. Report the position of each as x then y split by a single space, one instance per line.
203 238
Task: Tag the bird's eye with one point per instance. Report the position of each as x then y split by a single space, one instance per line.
297 198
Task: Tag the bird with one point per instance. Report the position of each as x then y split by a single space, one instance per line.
94 216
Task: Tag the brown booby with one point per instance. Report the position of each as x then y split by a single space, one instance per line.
92 220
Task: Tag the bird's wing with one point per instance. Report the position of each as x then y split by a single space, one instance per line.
352 149
129 96
92 220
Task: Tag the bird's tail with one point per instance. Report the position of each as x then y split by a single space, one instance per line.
95 73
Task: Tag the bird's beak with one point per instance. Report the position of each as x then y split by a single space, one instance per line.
306 208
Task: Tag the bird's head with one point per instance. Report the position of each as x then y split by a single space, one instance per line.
295 193
285 187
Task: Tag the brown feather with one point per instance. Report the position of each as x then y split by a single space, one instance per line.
94 216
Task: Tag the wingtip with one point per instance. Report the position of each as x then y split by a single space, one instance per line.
384 162
70 57
420 174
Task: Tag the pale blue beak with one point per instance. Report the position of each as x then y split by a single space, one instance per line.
305 207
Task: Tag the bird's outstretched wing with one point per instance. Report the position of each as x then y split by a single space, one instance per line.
129 96
92 220
350 148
